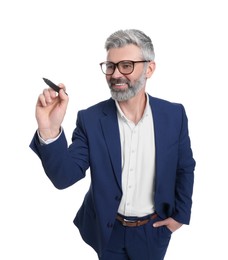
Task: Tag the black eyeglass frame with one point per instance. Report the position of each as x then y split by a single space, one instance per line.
117 65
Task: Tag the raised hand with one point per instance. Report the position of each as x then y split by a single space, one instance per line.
50 111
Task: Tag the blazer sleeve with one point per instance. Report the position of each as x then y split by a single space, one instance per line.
184 175
64 165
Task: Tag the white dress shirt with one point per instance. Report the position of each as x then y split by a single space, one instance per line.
138 164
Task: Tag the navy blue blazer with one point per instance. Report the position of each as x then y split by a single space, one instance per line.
96 145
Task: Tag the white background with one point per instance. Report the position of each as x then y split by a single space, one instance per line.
64 41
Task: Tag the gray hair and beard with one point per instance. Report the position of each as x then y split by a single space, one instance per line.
130 92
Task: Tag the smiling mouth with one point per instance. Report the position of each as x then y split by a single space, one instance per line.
119 85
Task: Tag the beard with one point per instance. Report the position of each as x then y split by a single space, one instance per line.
128 93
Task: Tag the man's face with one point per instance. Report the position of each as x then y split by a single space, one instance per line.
124 87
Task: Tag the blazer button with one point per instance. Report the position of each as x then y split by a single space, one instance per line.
117 198
110 225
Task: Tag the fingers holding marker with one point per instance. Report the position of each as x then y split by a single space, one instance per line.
44 99
47 97
54 86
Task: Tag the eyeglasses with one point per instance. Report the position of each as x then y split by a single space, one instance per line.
125 67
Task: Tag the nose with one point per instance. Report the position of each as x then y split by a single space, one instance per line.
117 73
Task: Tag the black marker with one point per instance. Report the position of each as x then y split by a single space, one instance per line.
52 85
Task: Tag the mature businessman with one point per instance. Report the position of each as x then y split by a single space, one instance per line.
137 149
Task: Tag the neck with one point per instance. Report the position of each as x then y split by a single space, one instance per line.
134 108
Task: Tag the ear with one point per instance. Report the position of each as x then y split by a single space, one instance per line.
150 69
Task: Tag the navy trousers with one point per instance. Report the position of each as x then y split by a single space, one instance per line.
137 243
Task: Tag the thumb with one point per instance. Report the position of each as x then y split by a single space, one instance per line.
63 96
62 93
159 223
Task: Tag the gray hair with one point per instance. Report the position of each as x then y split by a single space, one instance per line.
122 38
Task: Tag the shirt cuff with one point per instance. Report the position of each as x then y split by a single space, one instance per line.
48 141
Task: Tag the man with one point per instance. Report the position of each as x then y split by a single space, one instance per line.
138 151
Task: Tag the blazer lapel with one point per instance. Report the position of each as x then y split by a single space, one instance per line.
110 129
159 132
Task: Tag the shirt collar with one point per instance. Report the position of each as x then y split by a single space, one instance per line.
146 111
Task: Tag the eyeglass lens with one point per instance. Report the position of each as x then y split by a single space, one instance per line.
124 67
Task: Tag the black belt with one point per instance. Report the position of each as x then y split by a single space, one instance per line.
135 223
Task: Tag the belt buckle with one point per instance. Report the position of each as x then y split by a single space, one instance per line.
125 221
